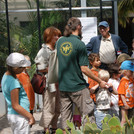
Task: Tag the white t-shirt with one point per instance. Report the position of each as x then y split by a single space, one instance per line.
103 99
114 98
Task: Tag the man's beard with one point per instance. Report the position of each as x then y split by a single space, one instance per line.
80 34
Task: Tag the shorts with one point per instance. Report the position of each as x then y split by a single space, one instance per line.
19 124
83 102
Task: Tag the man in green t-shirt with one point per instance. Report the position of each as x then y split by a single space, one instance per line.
73 61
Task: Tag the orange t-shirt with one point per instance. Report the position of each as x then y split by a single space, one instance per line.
92 83
126 88
26 83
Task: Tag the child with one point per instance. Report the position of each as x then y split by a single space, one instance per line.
103 98
26 83
122 57
115 80
95 62
18 115
126 91
76 116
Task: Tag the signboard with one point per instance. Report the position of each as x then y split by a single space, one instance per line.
89 29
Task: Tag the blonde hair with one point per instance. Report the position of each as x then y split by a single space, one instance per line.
103 74
27 57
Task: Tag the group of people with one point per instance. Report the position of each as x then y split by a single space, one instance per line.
96 97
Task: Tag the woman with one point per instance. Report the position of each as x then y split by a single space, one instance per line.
19 116
51 108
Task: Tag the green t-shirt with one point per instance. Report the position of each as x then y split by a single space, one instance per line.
72 54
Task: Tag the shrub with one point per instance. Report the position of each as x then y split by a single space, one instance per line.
110 125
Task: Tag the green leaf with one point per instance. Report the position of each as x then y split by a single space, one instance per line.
70 125
94 125
107 118
118 128
67 132
105 126
106 131
113 129
76 132
132 121
59 131
97 131
88 128
114 122
129 130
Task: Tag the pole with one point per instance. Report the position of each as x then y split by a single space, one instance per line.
116 17
38 16
101 17
113 18
83 12
8 31
70 8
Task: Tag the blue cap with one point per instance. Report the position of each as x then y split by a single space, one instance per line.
103 23
127 65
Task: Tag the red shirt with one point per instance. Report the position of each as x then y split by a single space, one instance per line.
92 83
26 83
126 88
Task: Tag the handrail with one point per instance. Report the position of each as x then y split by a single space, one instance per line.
55 9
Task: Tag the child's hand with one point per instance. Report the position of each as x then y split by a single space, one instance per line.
109 85
103 84
31 121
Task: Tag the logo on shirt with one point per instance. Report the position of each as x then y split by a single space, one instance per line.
66 48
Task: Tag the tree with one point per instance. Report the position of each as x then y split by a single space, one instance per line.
125 8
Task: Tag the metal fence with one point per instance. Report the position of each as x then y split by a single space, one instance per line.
24 21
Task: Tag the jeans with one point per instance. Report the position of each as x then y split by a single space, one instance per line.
99 116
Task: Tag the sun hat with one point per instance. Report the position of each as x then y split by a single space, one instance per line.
17 60
127 65
103 23
122 57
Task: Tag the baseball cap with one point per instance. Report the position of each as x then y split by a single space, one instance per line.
122 57
17 60
103 23
127 65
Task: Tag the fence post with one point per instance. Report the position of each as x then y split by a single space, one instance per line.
38 16
8 31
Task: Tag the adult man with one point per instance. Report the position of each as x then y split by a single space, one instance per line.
107 45
73 60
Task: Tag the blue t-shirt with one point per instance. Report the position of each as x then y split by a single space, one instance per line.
9 83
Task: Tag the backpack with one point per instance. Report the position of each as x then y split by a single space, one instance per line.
39 83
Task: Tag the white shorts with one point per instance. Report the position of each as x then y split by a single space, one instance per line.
19 124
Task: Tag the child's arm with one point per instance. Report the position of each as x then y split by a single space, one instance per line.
124 101
114 91
92 90
16 106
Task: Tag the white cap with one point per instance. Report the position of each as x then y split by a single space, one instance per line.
17 60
